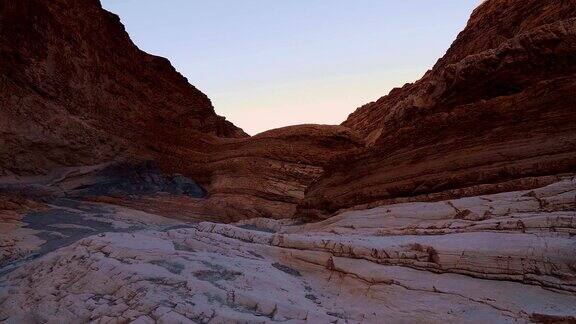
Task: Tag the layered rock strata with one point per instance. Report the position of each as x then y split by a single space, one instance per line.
496 113
502 258
76 92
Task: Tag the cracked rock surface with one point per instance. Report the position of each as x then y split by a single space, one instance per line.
506 257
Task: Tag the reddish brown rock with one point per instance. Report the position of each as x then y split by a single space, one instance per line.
88 242
75 90
496 113
266 175
262 176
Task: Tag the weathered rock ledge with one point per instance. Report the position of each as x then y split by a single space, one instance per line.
506 257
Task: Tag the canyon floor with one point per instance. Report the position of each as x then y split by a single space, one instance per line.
505 257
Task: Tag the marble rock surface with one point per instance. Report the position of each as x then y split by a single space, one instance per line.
508 257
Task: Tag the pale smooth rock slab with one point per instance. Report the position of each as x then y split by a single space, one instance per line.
457 261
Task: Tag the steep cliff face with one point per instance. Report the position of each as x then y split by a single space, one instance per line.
494 24
75 90
87 240
496 113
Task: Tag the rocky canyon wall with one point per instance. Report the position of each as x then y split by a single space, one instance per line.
496 113
450 200
75 91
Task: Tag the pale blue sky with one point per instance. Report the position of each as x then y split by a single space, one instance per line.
273 63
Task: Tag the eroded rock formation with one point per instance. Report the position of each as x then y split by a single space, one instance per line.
75 91
500 258
496 113
124 197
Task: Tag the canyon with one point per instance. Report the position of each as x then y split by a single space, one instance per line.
124 197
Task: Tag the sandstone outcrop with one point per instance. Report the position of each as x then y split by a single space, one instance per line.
267 175
496 113
125 198
76 92
262 176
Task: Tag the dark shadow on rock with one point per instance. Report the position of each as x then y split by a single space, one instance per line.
144 178
286 269
60 227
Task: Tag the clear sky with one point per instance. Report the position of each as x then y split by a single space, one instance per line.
272 63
